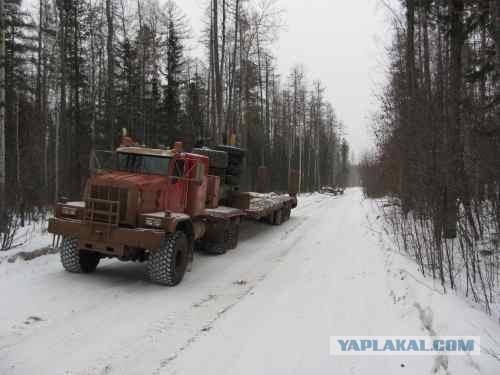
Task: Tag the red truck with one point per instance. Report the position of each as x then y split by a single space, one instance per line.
157 206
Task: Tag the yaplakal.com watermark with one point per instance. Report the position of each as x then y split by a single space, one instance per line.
407 345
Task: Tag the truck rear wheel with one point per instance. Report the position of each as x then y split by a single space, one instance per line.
214 248
168 264
226 239
231 236
75 260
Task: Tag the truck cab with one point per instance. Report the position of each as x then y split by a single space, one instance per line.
151 200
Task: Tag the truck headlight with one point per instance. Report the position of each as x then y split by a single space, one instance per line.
153 222
69 211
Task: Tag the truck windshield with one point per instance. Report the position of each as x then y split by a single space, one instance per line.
146 164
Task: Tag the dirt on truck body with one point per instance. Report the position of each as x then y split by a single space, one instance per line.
157 206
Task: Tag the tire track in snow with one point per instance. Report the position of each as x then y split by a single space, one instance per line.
105 322
207 328
203 331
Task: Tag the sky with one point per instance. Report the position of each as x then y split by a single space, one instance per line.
339 42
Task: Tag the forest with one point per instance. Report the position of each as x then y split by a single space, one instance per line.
438 141
76 74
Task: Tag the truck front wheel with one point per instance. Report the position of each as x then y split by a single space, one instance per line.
168 264
75 260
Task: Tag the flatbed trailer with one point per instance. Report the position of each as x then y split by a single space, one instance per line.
272 207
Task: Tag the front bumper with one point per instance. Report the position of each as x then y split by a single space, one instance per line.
102 238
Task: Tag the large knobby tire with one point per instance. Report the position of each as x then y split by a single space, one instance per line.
286 213
214 248
168 264
231 236
278 217
228 239
75 260
269 219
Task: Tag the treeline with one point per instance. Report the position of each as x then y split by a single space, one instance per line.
75 73
438 140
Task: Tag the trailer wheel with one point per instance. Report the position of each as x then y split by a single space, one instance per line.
286 213
168 264
75 260
269 218
278 217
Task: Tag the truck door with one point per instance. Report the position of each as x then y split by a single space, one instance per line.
177 187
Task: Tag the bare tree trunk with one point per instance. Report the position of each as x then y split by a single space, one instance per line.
62 100
82 144
19 195
110 115
407 155
452 146
497 95
219 94
291 141
56 157
92 82
223 124
39 61
2 117
260 92
497 46
230 119
44 100
142 84
211 76
267 144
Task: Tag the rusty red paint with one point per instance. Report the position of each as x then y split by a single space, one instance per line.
161 193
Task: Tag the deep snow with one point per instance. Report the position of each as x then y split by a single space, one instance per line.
269 306
27 239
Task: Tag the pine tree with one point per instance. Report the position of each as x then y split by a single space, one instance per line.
194 116
172 104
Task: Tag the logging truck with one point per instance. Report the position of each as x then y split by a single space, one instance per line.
158 206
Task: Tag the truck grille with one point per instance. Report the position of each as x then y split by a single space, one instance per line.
110 194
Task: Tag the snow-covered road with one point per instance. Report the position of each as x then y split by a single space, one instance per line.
268 307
